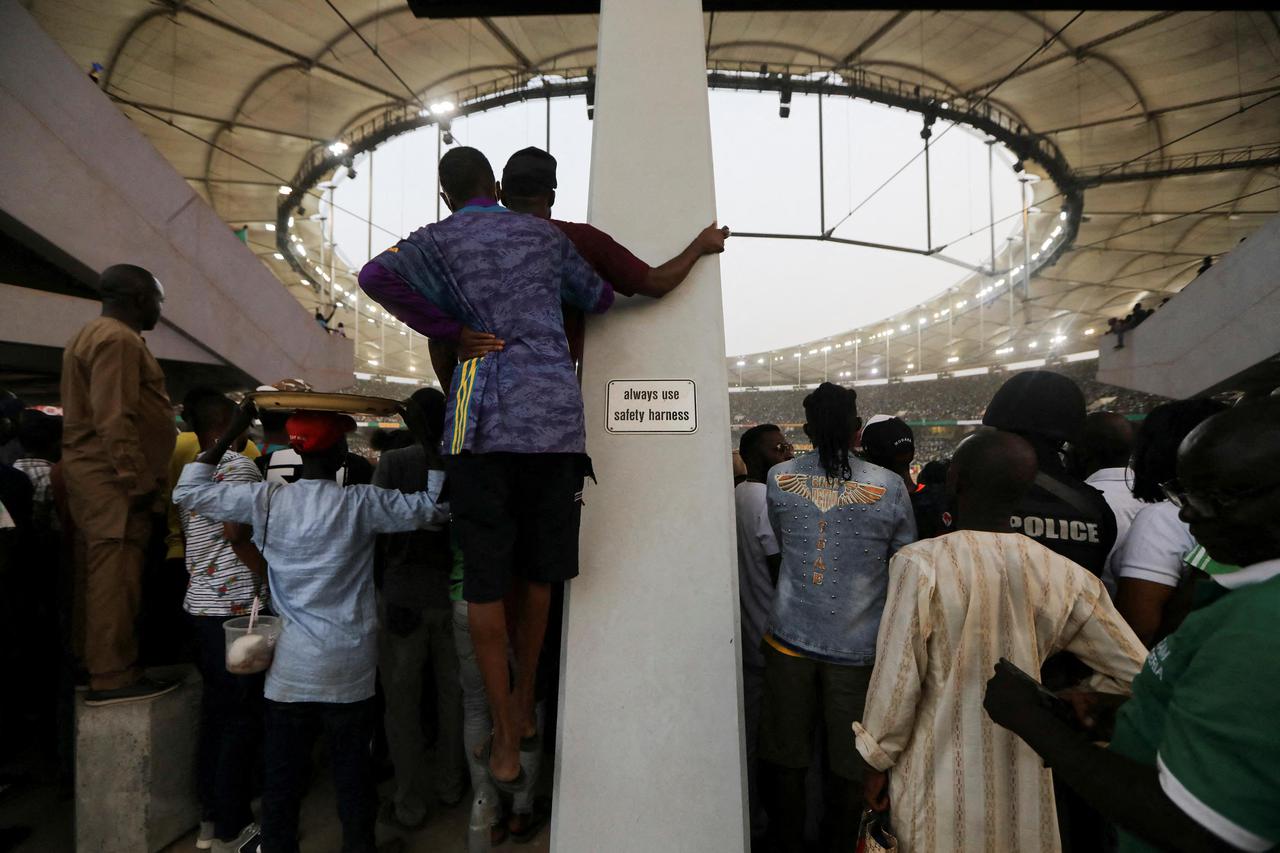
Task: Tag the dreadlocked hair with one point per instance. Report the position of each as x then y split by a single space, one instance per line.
832 416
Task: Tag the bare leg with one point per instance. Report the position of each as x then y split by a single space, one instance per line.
489 636
533 602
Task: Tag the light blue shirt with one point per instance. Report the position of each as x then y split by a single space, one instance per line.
317 538
836 536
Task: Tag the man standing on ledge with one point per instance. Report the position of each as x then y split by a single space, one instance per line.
118 435
515 439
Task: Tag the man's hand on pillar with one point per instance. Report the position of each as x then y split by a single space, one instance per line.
711 239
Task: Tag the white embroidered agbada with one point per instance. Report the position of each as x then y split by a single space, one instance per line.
956 605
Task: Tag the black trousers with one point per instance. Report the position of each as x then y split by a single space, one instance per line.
230 732
291 732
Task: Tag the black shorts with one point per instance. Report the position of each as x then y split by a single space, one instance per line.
515 514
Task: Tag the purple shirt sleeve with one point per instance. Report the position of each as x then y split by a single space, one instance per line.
405 304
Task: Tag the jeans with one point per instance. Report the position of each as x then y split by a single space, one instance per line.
291 731
230 732
405 644
476 723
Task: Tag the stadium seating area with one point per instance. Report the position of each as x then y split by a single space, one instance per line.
948 400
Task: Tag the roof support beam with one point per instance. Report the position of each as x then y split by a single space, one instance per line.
870 41
214 119
1080 50
1233 96
507 44
304 60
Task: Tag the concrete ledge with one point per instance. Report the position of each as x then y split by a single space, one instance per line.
135 769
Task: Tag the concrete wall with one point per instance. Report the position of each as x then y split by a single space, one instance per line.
650 747
1217 334
83 179
38 318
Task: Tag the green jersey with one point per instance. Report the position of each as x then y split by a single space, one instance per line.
1204 712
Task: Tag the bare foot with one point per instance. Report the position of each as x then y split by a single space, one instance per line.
504 759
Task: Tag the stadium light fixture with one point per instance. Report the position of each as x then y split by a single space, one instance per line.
1046 244
759 361
952 359
1057 339
875 371
999 283
1062 216
374 362
278 256
1088 331
371 320
1035 256
826 348
337 148
1004 350
849 343
1033 345
442 108
1057 229
911 365
920 322
290 223
285 190
304 282
904 327
269 226
813 352
795 355
741 363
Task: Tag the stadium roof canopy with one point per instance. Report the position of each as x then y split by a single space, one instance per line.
1156 134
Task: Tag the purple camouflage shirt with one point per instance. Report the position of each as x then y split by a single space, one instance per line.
510 274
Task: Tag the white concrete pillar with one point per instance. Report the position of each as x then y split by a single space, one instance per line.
650 748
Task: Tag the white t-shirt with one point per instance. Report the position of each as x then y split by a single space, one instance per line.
1155 547
756 542
1114 483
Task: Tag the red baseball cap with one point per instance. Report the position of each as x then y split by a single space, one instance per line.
313 432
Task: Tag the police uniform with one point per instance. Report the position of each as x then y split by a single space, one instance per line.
1069 517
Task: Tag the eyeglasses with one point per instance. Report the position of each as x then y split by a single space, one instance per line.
1209 503
784 447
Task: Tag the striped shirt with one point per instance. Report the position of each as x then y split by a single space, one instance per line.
218 583
957 604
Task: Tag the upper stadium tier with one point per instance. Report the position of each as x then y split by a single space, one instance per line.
1144 142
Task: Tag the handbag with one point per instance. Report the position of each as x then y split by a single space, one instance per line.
874 835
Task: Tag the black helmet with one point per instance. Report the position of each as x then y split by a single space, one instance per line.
1038 402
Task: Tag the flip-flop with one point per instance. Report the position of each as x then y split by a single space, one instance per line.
510 786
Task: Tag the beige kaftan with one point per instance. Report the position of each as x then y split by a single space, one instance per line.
956 605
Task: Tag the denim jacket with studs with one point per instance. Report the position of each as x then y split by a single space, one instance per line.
837 536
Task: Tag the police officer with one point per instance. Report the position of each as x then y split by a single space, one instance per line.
1060 512
1067 516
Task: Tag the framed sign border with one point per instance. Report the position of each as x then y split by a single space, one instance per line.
692 382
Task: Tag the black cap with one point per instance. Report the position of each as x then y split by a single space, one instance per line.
887 440
1038 402
530 171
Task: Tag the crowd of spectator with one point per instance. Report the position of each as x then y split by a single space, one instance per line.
944 401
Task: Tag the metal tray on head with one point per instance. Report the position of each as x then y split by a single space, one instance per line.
353 404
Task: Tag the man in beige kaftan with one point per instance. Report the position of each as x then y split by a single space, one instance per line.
956 605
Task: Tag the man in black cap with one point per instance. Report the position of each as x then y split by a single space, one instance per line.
1068 517
529 186
890 443
1061 511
